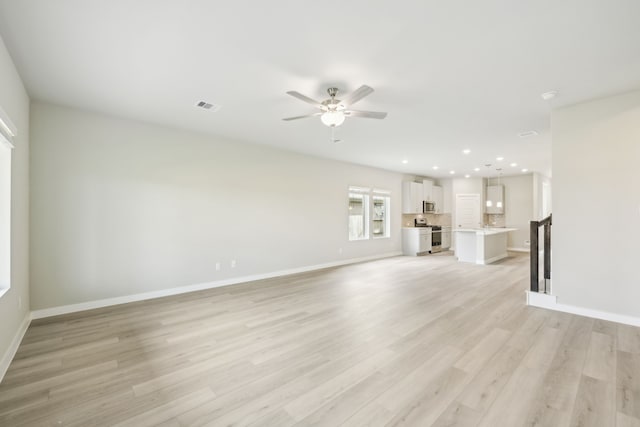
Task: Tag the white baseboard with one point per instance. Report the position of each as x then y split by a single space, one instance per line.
519 250
494 259
536 299
89 305
7 357
550 302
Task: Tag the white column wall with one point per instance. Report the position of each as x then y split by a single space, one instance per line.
596 205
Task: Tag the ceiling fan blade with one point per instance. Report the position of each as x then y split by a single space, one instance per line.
301 117
356 96
306 99
365 114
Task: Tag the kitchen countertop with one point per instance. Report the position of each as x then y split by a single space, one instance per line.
434 225
485 231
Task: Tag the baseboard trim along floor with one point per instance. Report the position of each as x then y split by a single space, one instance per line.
550 302
89 305
519 250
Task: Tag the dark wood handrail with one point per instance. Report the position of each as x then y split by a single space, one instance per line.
545 221
533 229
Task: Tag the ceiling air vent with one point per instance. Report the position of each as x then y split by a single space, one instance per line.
527 134
208 106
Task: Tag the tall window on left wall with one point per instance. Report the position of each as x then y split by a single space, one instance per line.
7 131
358 213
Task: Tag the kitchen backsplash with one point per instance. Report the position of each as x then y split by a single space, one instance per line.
495 220
440 219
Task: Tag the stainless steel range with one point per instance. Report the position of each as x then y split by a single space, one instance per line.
436 234
436 238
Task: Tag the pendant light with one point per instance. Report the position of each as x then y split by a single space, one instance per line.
499 202
489 203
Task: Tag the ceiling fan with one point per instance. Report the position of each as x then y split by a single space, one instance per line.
334 111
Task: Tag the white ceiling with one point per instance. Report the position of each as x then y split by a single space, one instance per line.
451 74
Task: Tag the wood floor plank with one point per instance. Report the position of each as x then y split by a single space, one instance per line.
623 420
601 357
169 410
555 400
411 341
309 402
595 404
459 415
628 383
514 401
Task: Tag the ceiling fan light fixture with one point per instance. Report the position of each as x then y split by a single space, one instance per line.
334 111
332 118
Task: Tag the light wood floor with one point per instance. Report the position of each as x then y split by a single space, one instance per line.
402 341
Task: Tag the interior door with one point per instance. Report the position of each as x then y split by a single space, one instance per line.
468 211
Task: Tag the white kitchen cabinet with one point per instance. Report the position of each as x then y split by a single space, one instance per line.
494 203
427 190
438 199
446 238
412 194
416 241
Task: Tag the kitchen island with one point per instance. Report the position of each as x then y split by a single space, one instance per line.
481 245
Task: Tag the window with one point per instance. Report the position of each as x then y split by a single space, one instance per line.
380 220
5 212
358 213
369 213
7 131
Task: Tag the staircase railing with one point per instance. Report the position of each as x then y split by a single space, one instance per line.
534 226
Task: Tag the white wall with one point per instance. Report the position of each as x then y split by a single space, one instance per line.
464 186
596 204
121 208
15 101
541 185
518 208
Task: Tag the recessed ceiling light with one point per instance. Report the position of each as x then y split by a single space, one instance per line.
467 176
435 168
527 134
513 165
452 172
405 161
549 95
499 159
525 170
476 169
466 151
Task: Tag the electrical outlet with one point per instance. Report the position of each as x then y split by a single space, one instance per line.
233 263
527 242
340 251
19 302
218 266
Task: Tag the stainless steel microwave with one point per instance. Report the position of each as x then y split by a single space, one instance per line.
428 207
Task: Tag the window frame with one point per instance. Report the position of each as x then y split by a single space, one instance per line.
366 201
6 148
369 195
386 196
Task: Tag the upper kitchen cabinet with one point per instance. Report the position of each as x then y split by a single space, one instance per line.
495 199
412 197
438 199
427 190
